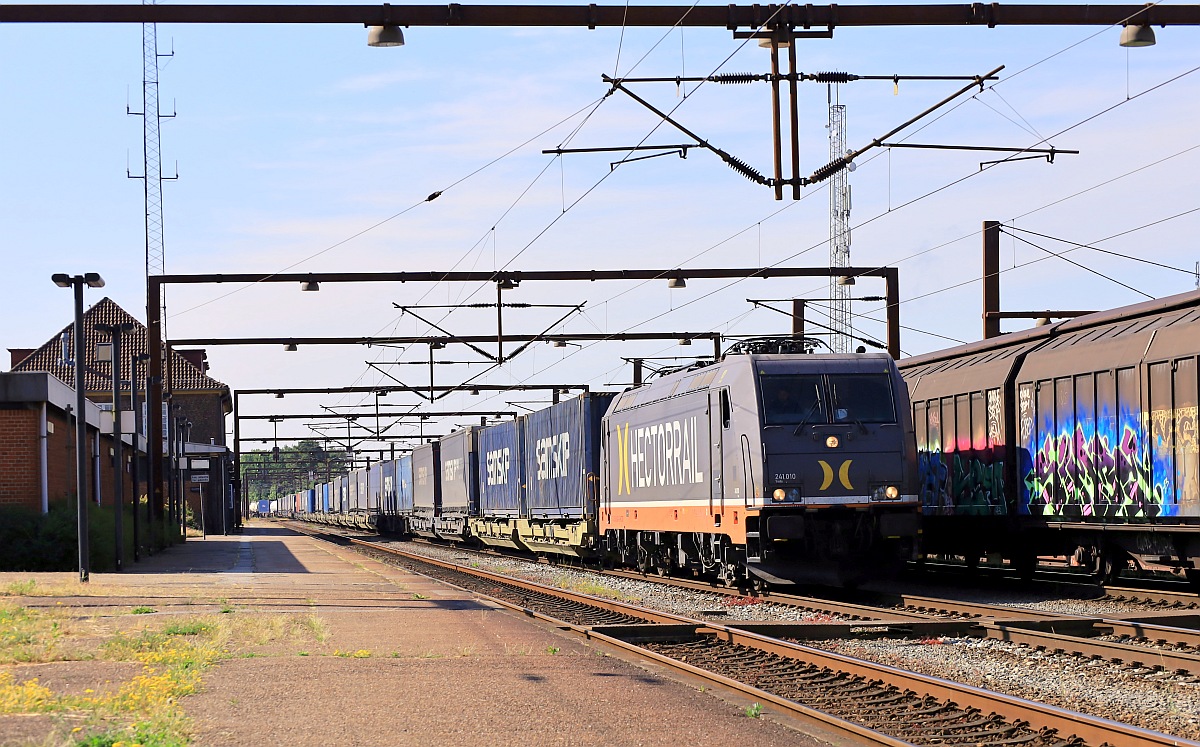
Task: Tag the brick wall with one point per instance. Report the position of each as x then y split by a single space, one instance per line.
207 416
61 457
20 459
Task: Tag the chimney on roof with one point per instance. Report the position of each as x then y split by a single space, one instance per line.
18 354
197 357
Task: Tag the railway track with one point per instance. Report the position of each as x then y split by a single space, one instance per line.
869 702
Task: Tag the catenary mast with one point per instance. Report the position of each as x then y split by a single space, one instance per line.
839 233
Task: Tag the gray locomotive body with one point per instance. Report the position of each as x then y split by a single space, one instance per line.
787 467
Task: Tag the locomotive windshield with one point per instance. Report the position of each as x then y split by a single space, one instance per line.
836 398
866 398
795 398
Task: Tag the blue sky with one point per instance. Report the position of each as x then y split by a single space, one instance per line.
300 147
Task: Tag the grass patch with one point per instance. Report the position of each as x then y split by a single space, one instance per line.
146 710
142 610
191 627
754 711
28 636
592 588
19 589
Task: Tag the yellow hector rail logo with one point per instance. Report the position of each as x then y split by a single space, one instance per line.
843 474
665 454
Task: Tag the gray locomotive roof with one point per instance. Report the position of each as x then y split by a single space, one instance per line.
682 382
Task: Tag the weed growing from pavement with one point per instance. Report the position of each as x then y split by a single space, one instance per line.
142 611
362 653
191 627
754 711
552 650
419 596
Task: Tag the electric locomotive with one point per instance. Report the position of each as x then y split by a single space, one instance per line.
766 466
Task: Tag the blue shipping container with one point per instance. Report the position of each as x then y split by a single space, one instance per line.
427 480
374 486
264 506
404 484
562 457
460 474
310 501
362 492
387 487
501 469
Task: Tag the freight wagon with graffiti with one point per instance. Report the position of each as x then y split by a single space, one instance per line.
1075 439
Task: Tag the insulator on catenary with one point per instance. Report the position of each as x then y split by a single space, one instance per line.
827 171
744 169
834 77
736 78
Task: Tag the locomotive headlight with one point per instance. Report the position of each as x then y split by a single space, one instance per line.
778 495
885 493
832 442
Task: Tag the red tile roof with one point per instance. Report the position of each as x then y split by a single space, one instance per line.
184 376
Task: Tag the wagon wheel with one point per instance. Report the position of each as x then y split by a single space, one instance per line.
643 560
971 561
1025 563
1108 566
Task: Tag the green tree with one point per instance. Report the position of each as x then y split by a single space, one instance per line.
269 474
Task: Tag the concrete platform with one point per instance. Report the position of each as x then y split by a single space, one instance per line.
437 665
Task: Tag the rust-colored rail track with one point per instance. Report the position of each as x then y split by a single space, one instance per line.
869 702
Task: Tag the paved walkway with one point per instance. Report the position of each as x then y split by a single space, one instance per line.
438 666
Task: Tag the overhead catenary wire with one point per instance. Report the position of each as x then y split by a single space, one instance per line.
1097 186
1008 229
1095 272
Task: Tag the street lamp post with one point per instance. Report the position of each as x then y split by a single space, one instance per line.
115 332
184 485
135 358
63 280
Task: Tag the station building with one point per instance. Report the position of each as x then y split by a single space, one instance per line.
37 434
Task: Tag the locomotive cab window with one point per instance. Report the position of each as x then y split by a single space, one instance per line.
865 398
796 398
836 398
726 410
